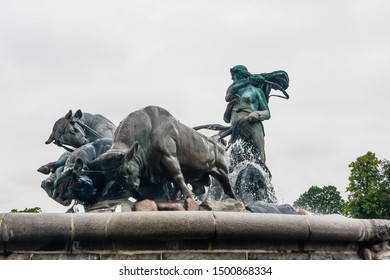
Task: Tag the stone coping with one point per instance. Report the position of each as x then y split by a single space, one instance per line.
187 225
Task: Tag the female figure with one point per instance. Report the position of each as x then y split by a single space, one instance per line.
248 105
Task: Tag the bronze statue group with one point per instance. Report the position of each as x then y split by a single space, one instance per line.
151 155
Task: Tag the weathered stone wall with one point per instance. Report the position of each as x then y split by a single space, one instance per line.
190 235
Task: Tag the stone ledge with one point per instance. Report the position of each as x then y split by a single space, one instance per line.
186 255
260 226
32 227
142 225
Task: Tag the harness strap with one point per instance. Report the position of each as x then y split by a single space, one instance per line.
91 172
94 132
62 146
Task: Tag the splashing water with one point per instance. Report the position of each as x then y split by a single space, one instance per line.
252 183
250 178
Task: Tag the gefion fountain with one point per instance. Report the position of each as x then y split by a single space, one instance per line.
154 188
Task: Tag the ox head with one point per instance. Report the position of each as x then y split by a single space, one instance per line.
73 184
120 166
67 131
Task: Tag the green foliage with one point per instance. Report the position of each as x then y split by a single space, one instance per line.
325 200
369 188
385 189
28 210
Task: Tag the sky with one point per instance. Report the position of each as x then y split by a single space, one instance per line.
115 57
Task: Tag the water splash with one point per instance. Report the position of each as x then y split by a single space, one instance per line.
250 178
251 182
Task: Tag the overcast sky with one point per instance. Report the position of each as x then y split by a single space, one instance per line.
114 57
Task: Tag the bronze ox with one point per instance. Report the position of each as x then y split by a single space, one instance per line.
80 128
75 131
74 180
77 182
151 147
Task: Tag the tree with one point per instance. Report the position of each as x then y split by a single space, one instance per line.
28 210
369 188
325 200
385 189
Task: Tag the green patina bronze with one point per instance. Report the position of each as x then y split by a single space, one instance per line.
247 107
153 156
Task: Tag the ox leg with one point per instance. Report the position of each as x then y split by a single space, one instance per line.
52 166
172 166
223 178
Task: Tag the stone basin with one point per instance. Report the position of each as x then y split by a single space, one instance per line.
190 235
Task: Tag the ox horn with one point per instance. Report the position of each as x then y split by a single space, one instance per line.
51 138
68 115
78 114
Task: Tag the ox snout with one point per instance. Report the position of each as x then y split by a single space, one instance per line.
61 199
137 183
131 183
